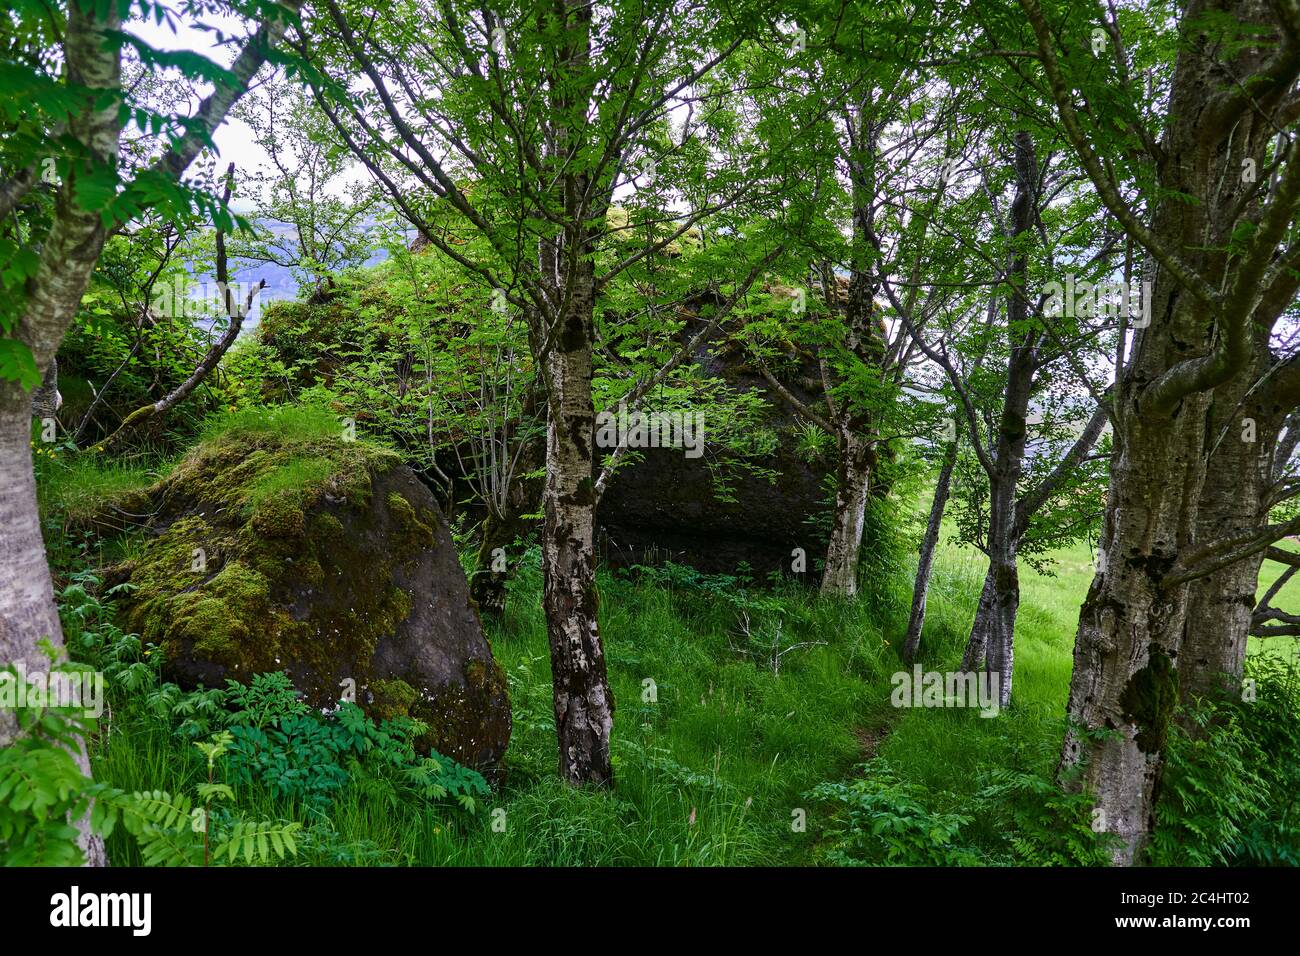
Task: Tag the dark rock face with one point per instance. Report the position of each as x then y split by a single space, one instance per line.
705 512
326 559
667 508
712 512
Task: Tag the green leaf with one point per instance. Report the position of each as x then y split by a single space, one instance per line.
17 364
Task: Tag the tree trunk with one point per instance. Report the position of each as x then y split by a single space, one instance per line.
855 430
27 610
852 489
583 704
68 256
1129 645
921 587
1124 687
46 399
1130 628
992 640
488 585
991 645
999 647
973 657
1237 479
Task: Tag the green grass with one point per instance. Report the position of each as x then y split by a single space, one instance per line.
304 420
73 488
715 768
1288 599
85 501
708 774
291 476
945 750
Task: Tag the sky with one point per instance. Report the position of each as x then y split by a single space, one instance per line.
234 139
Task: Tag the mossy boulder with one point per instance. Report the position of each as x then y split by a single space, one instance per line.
297 550
718 512
715 512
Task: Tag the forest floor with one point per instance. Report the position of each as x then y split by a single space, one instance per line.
734 705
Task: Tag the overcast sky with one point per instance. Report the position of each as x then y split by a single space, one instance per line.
233 138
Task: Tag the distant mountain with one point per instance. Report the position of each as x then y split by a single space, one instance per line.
280 282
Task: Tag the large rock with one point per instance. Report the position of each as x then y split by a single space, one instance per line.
278 545
671 508
716 512
719 511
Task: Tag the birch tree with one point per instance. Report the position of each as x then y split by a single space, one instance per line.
71 103
526 121
888 128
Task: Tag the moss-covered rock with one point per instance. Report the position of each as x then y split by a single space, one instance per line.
714 512
300 551
719 511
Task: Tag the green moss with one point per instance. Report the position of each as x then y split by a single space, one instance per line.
216 634
400 602
310 572
485 677
325 531
1150 698
352 480
221 619
169 567
243 468
280 516
401 509
276 515
415 535
305 549
393 698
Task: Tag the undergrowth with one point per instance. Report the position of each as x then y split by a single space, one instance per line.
753 726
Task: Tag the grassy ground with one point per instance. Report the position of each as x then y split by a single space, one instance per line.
1045 627
709 772
732 705
714 767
